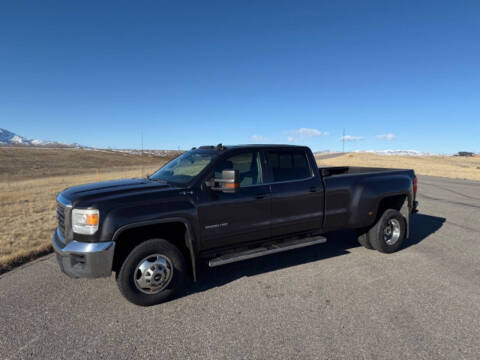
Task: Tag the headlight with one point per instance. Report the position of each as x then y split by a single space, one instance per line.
85 221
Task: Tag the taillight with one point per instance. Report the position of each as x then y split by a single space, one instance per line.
415 185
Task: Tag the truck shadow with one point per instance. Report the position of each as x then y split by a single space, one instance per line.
422 226
338 244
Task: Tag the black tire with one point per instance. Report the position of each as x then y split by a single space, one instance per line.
176 261
376 235
362 238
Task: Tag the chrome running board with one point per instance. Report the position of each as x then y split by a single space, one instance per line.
271 248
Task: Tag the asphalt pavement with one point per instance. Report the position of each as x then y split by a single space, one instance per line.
330 301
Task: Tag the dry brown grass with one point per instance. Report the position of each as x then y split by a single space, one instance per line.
28 213
446 166
30 179
28 163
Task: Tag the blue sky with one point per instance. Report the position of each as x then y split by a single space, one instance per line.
184 73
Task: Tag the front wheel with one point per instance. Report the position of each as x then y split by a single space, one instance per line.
388 233
152 273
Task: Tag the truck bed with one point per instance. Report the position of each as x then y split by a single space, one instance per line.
349 190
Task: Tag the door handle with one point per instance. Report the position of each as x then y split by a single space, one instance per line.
260 196
313 189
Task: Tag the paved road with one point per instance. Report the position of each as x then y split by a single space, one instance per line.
331 301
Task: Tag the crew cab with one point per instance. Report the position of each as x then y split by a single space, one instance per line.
223 204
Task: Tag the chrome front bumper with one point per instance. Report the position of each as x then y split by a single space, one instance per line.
81 259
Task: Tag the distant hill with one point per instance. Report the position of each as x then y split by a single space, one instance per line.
400 152
22 162
385 152
8 138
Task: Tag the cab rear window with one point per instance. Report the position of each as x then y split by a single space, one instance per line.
289 165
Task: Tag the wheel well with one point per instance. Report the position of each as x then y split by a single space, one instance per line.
391 202
173 232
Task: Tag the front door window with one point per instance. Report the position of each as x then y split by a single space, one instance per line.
248 165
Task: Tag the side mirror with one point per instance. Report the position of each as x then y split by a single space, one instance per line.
228 183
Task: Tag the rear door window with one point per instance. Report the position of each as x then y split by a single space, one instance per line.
289 165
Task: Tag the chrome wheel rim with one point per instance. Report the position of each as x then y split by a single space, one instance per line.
153 274
392 231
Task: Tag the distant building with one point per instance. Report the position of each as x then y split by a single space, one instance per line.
465 153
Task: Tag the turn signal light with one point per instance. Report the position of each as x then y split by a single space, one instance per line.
232 185
91 219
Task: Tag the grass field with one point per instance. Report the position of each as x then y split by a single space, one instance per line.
446 166
36 163
31 178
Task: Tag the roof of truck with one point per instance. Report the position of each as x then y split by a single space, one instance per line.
242 146
265 145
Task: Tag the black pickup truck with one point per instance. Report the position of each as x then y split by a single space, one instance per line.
223 204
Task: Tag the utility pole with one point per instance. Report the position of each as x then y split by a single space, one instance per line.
141 155
343 141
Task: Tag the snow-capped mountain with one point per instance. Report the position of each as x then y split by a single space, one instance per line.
398 152
8 138
384 152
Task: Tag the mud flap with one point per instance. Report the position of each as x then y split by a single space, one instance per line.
405 211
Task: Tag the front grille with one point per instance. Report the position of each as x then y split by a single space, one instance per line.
61 219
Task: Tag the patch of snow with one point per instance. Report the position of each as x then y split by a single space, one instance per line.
39 142
397 152
16 139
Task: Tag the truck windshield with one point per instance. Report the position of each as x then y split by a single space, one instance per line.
183 169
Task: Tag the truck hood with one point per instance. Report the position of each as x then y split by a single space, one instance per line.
114 188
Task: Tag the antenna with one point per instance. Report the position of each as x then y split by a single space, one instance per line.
343 141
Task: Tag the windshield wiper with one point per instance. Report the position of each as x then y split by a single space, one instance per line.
158 180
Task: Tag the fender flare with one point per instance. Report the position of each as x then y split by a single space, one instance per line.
189 236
